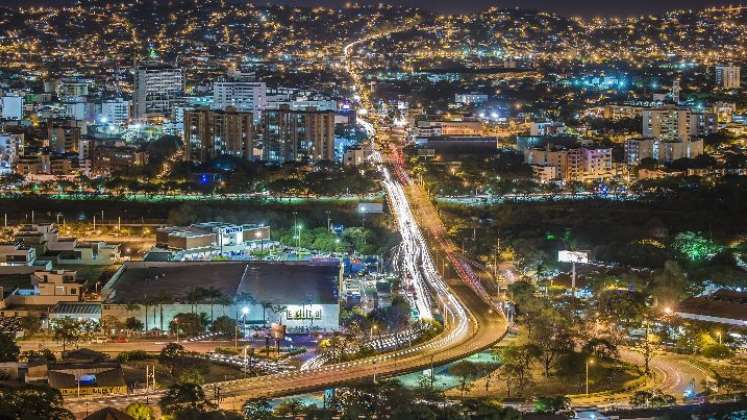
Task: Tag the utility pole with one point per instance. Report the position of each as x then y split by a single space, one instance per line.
573 279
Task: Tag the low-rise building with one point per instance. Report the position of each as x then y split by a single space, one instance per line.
90 253
16 253
303 296
76 379
117 158
48 288
726 307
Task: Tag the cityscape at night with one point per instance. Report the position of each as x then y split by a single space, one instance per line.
223 209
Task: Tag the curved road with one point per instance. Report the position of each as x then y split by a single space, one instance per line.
471 325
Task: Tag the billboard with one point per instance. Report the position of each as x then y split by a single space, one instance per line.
579 257
370 208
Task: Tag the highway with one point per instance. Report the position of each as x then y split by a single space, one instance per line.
472 321
471 326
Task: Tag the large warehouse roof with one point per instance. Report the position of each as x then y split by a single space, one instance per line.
273 282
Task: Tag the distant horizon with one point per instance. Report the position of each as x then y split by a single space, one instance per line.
568 8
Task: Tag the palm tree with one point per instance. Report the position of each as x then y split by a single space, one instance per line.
163 299
213 296
193 296
265 306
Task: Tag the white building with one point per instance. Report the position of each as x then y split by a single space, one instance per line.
670 123
728 76
12 107
661 150
157 88
303 296
470 98
11 147
248 96
113 111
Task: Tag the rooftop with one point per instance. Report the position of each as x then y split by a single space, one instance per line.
724 304
274 282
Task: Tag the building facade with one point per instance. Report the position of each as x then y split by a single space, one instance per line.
728 76
661 150
669 123
244 95
291 135
209 134
158 86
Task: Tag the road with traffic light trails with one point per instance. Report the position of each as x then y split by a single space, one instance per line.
472 323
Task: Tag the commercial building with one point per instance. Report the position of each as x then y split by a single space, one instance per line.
205 240
158 87
470 98
661 150
74 379
728 76
291 135
356 156
303 296
114 111
726 307
244 95
209 134
447 128
12 107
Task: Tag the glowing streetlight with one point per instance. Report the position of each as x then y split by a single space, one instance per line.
589 361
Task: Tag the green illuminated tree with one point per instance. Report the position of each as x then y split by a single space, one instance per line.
695 247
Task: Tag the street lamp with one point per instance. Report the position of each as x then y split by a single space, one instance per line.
589 361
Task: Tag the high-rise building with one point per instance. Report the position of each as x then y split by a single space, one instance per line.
676 90
728 76
73 87
298 135
64 136
583 164
665 151
209 134
669 123
11 147
244 95
113 111
157 88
